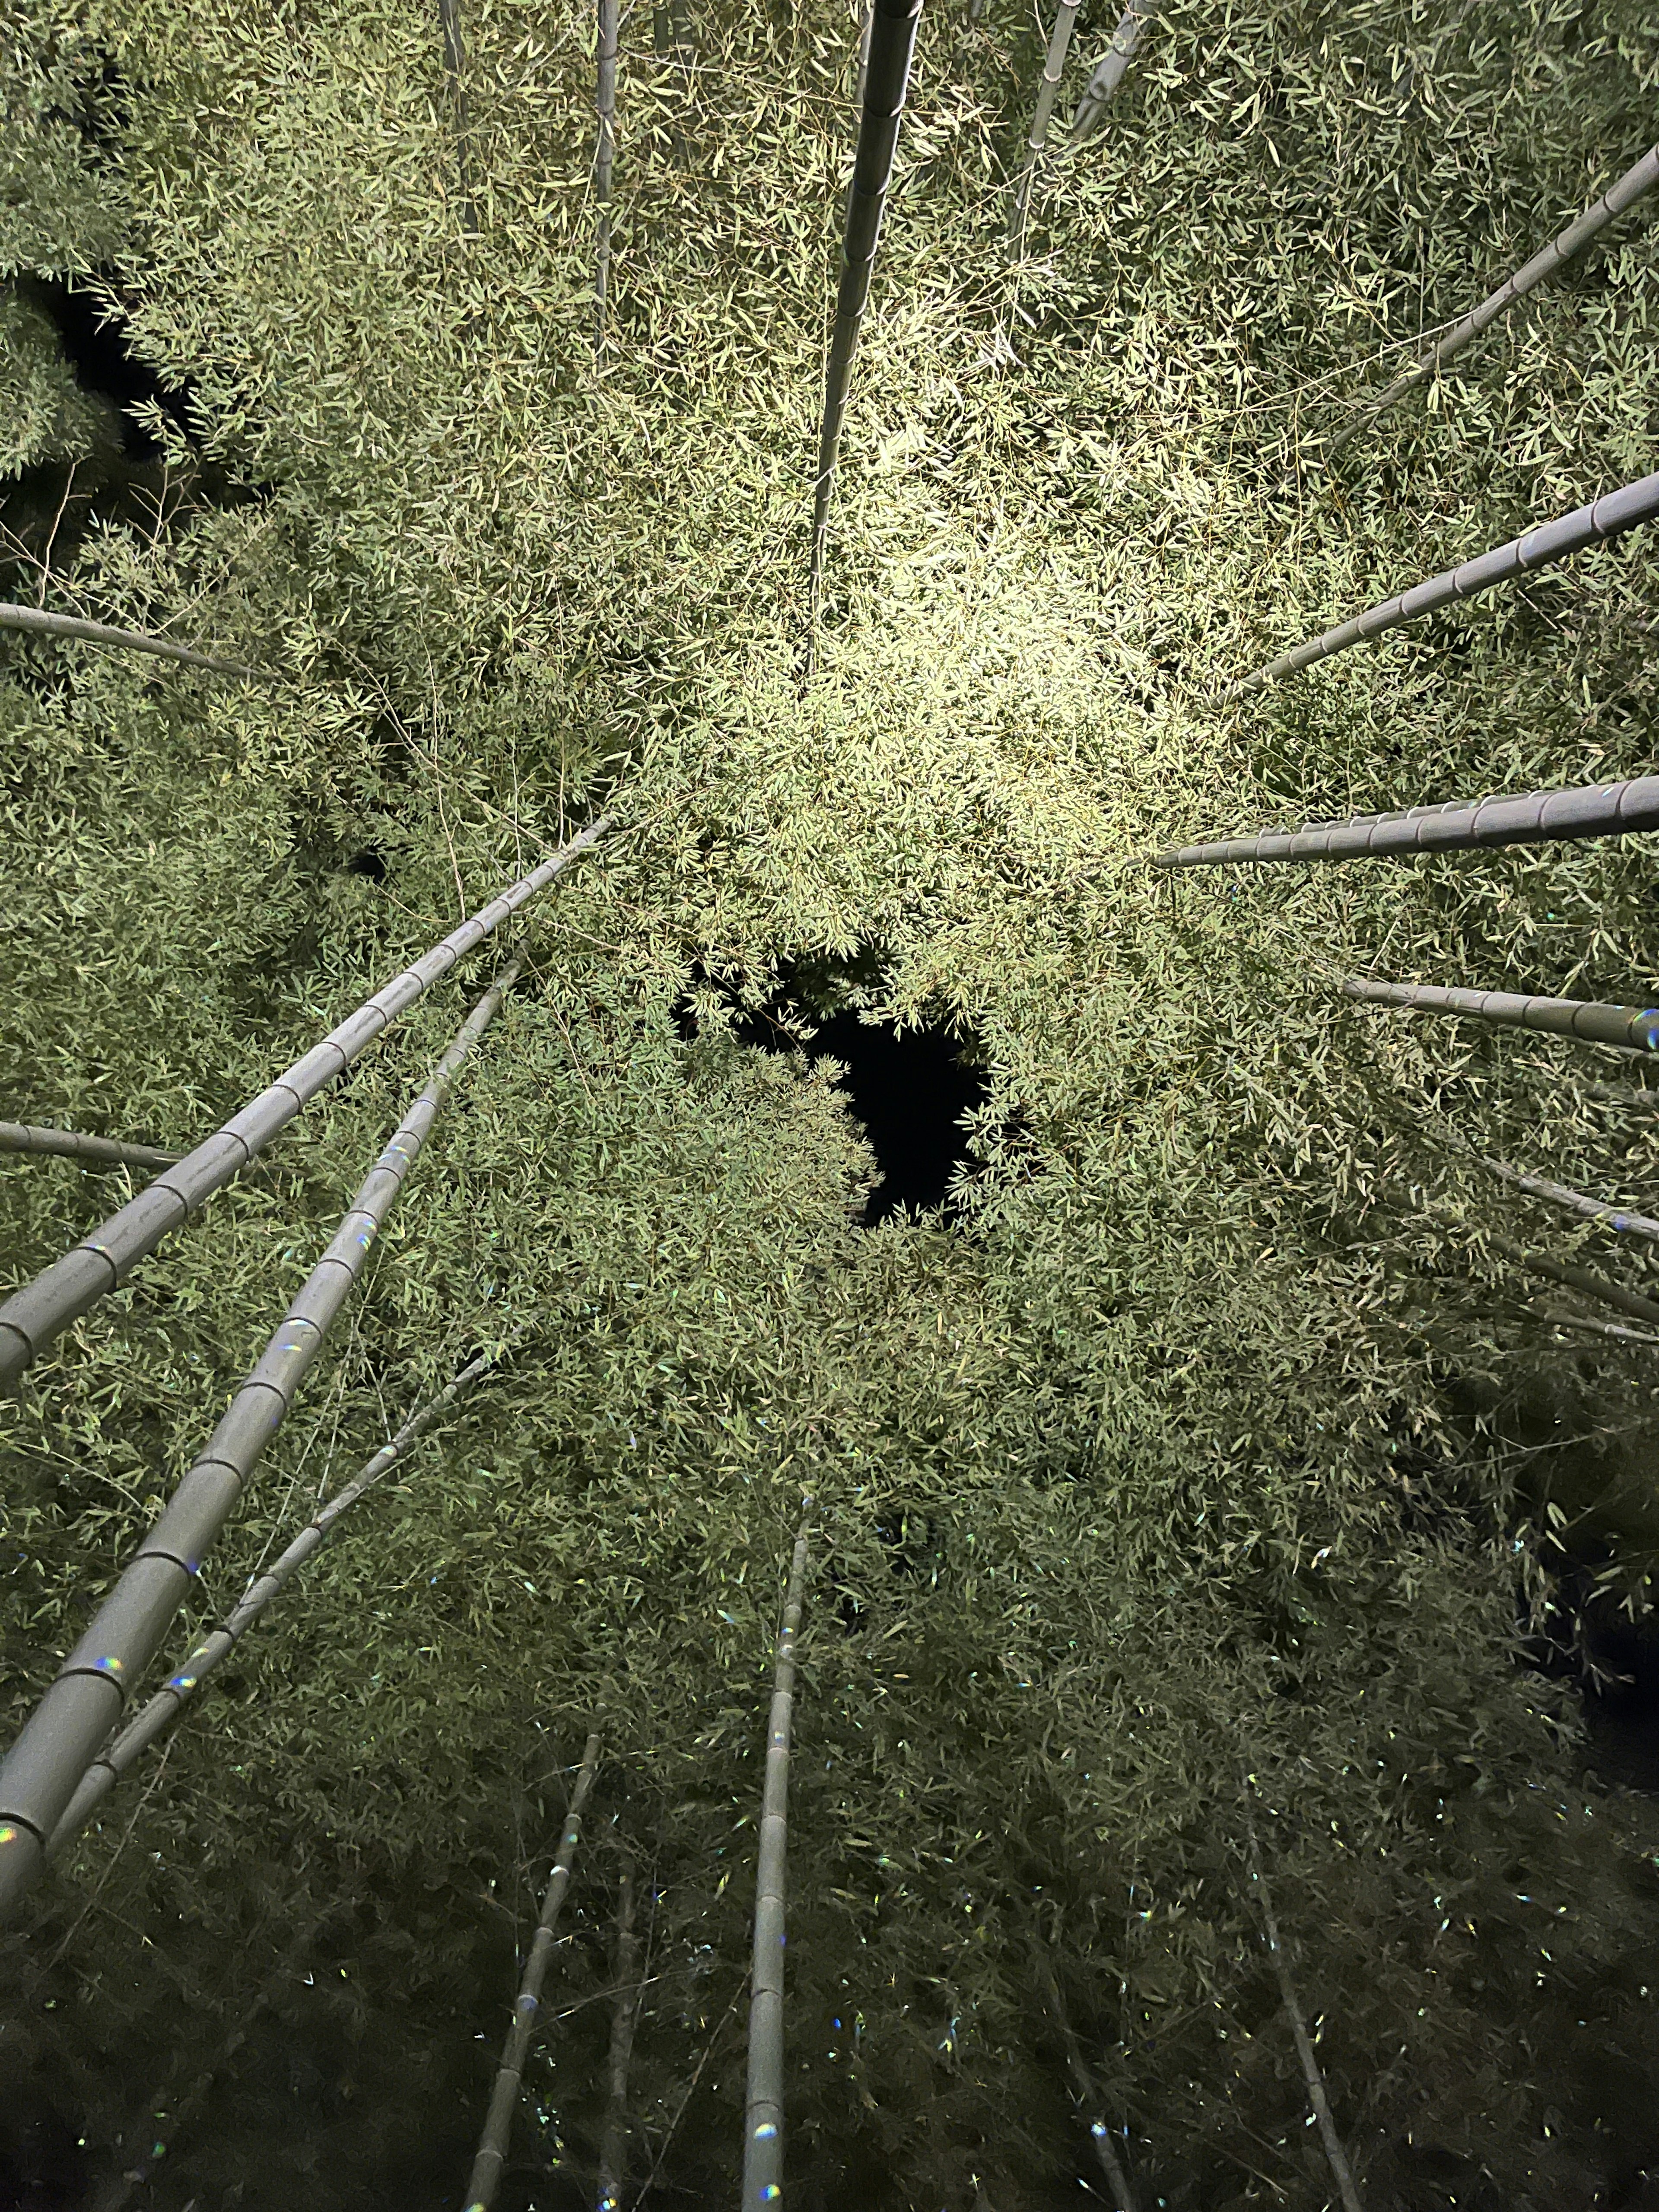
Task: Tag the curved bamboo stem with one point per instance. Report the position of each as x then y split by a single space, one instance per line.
1557 1320
1580 1279
31 1317
1607 517
71 1145
625 2014
1455 825
165 1707
762 2130
1591 1020
44 1768
1109 72
134 640
486 2173
892 46
1625 193
1591 1209
1048 92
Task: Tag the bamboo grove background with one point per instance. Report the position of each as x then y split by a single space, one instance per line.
1209 1435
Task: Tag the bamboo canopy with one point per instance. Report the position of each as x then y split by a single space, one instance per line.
763 2129
1455 825
625 2014
1629 188
605 155
887 78
1582 1280
1110 70
135 640
1614 513
44 1768
31 1317
170 1700
71 1145
486 2174
1635 1027
1592 1209
1048 93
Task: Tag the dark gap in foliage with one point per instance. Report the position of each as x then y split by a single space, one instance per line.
104 365
370 862
1588 1638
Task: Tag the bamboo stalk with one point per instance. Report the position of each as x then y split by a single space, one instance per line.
486 2173
1591 1020
1314 2081
1109 70
1592 1209
1580 1279
604 161
1636 1098
892 46
44 1768
762 2130
449 21
33 1316
71 1145
1624 194
1123 2197
92 633
1048 92
1596 1328
1614 513
625 2012
1455 825
119 1757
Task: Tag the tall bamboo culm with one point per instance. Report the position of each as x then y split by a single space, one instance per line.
44 1769
449 21
31 1317
893 46
485 2178
625 2012
1341 2172
1109 70
134 640
1117 2179
604 157
170 1700
71 1145
1607 517
1019 199
1616 1217
1454 826
762 2117
1573 240
1590 1020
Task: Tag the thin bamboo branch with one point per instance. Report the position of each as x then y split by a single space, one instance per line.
1314 2081
1614 513
1109 70
33 1316
763 2129
1088 2094
92 633
486 2173
892 46
1455 825
613 2149
605 156
59 1741
1592 1209
1572 240
449 21
1580 1279
1557 1320
1636 1098
71 1145
164 1708
1019 198
1593 1021
864 55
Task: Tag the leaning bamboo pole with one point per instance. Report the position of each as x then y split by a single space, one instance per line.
449 23
1607 517
71 1145
892 45
1019 198
1109 70
134 640
1581 1280
1573 240
1591 1020
624 2015
1557 1320
486 2173
120 1756
33 1316
1313 2080
762 2130
1589 1209
44 1768
1117 2178
604 155
1455 825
